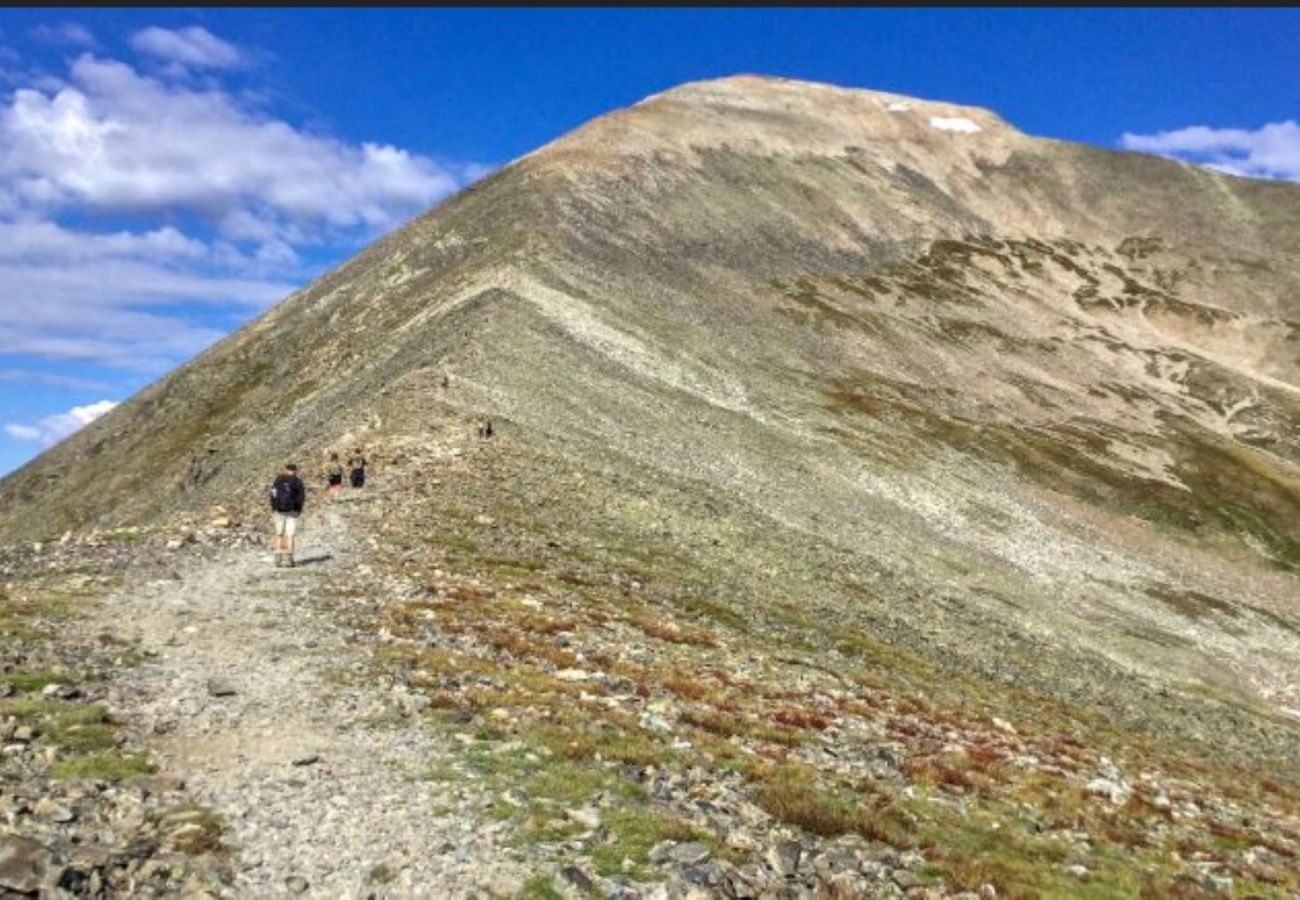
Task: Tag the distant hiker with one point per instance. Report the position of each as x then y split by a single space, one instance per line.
446 382
484 428
357 468
287 498
334 472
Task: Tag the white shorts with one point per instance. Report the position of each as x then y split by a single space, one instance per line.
286 524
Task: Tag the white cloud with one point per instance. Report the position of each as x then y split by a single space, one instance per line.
194 46
79 296
959 124
1271 151
67 33
114 140
221 197
52 429
44 242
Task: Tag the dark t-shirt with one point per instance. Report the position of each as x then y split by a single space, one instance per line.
293 496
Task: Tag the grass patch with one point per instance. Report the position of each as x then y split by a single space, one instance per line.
104 765
28 682
633 832
540 888
790 795
673 632
192 828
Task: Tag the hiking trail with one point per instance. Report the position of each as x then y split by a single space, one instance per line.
251 692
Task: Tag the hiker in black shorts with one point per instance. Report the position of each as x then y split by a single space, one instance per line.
334 472
357 467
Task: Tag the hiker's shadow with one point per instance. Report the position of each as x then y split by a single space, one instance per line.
314 560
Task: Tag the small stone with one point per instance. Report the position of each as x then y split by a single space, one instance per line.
656 723
296 883
24 734
219 687
586 817
783 857
23 864
572 675
1003 725
691 854
307 759
46 808
574 878
988 892
906 880
1078 871
1114 791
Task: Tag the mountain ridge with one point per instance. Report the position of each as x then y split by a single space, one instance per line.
1009 366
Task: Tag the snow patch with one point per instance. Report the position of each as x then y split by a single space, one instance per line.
955 123
899 106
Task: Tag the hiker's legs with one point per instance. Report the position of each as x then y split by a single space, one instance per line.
290 533
281 521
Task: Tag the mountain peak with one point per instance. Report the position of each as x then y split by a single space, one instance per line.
782 116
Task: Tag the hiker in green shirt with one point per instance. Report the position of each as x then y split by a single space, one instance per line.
334 472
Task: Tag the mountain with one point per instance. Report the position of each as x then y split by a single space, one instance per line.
843 366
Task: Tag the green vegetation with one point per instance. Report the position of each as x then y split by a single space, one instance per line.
193 828
103 765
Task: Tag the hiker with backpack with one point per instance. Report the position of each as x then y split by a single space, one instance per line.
287 498
357 465
334 474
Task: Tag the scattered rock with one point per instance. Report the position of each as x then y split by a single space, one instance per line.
691 854
23 864
571 878
220 687
783 857
586 817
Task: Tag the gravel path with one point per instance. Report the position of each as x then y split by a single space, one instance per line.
317 776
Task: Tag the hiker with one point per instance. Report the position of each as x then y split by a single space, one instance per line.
484 427
287 498
334 472
357 465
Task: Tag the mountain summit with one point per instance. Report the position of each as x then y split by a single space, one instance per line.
849 363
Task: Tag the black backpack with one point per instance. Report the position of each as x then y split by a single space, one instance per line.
282 495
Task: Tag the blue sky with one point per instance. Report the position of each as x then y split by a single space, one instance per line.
167 174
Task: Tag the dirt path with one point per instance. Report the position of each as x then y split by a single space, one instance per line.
318 777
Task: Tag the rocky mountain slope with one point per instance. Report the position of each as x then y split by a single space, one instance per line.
878 383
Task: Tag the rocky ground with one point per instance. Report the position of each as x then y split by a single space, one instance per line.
487 712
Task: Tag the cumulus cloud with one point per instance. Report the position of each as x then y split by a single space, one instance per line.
213 202
194 46
1271 151
52 429
118 141
85 297
69 33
